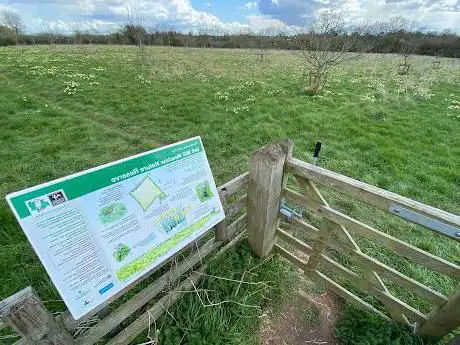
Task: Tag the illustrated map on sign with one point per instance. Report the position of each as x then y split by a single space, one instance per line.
147 192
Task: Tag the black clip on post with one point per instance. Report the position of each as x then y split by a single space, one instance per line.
316 153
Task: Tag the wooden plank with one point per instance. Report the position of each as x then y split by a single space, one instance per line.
110 322
237 206
221 228
298 244
312 230
264 196
346 295
372 195
405 249
320 244
152 314
237 226
236 184
27 315
3 325
402 248
388 272
299 199
129 333
444 319
302 264
345 237
332 285
386 298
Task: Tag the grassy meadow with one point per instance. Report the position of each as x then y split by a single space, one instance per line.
64 109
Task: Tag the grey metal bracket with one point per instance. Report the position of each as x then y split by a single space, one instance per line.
425 221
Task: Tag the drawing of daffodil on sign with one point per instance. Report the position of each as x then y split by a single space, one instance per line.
146 192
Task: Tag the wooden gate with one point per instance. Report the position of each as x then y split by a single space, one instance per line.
336 232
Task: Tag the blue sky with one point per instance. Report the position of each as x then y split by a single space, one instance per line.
220 16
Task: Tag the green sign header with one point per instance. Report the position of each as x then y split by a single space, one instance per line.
92 180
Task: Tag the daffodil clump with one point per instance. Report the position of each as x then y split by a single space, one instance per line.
453 107
71 87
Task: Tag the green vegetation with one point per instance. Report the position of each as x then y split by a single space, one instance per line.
65 109
121 252
237 309
112 212
146 260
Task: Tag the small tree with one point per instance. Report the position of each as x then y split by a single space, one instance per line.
13 21
49 32
407 40
325 44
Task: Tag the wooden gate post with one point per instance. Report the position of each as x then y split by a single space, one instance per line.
264 195
444 319
25 312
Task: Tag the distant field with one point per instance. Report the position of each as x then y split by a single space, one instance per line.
68 108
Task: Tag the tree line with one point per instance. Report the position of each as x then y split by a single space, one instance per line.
395 39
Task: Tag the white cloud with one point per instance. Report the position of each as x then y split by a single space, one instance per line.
267 25
182 16
434 15
431 14
250 6
68 27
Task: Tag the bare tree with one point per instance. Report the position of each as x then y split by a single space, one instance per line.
404 31
13 21
49 32
326 44
135 29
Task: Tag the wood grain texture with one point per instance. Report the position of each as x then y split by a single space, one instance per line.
27 315
331 284
236 184
372 195
444 319
373 287
221 228
344 236
402 248
264 196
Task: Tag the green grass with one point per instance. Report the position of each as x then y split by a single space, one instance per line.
400 133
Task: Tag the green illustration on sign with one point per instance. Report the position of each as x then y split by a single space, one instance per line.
145 260
113 212
204 192
37 204
173 219
121 252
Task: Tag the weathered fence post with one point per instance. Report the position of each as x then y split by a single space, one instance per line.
221 228
444 319
26 313
264 195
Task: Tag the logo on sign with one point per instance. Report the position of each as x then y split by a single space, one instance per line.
46 202
57 198
38 205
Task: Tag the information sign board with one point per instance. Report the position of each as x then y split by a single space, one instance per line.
99 230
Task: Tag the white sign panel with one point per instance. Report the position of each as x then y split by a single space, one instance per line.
98 230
